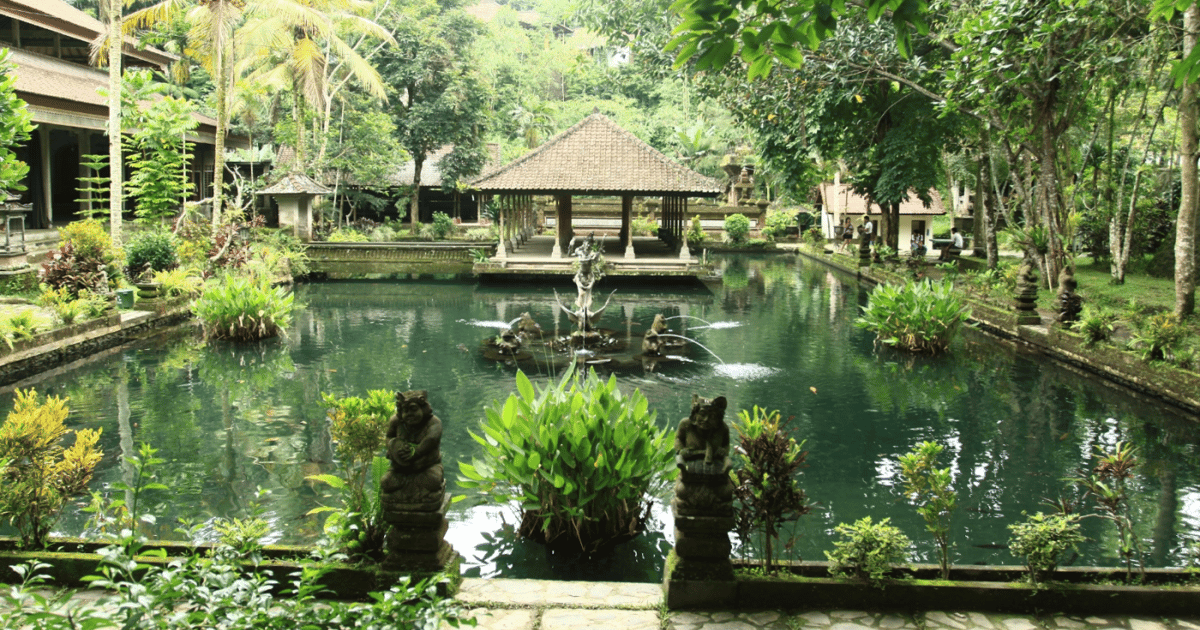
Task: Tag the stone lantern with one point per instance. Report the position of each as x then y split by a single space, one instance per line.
294 195
13 255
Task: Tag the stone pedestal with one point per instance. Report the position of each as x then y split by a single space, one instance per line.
864 250
1025 299
416 536
699 573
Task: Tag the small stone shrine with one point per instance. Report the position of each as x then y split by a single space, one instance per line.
864 247
1025 299
701 574
414 489
1068 304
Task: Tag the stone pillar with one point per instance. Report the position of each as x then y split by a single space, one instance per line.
47 179
700 573
626 219
413 491
1025 300
864 248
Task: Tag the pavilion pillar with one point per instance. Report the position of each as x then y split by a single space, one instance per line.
47 183
684 253
626 220
565 231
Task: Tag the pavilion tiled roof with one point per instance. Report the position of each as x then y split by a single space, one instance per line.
295 184
596 157
842 199
60 17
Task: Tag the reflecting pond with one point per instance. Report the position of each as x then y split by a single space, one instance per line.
234 420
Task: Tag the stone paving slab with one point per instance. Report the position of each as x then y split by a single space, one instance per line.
555 593
599 619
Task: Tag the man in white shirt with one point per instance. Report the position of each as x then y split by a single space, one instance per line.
955 246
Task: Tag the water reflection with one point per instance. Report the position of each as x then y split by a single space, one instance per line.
231 420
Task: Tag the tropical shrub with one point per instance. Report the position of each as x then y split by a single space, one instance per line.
777 224
867 550
149 252
815 236
764 485
918 316
179 282
64 305
15 125
243 308
642 225
157 152
86 259
215 591
443 225
1158 335
1108 484
382 234
481 234
737 228
929 488
696 234
1095 324
39 474
580 458
18 326
347 235
1042 540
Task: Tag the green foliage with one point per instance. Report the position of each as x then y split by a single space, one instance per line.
579 457
120 516
94 188
1158 335
357 526
66 307
347 235
867 550
179 282
737 227
641 225
86 259
1108 484
919 316
1042 540
156 152
815 236
481 234
358 425
777 224
15 125
216 591
18 326
39 474
929 488
443 225
243 308
696 234
149 252
1095 324
764 485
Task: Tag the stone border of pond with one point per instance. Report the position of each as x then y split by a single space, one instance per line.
1078 590
71 560
56 348
1177 387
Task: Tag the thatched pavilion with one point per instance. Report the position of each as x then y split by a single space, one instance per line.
597 157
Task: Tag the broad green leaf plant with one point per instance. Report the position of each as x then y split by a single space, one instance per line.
918 316
580 458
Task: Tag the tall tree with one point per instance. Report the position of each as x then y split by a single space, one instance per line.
116 164
439 98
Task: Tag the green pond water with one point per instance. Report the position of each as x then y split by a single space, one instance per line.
234 420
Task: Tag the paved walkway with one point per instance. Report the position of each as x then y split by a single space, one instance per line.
549 605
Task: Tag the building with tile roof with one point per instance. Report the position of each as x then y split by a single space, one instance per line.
597 157
839 202
50 41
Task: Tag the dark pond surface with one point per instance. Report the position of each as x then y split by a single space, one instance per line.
233 420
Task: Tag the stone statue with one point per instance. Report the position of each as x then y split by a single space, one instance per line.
414 438
509 343
704 433
651 343
1068 303
526 327
589 255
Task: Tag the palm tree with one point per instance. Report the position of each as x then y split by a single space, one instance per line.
302 43
533 120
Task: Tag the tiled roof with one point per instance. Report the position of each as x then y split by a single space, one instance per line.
842 200
295 184
60 17
596 157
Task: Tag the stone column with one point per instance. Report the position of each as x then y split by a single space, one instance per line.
47 178
565 231
1025 300
699 573
864 248
413 491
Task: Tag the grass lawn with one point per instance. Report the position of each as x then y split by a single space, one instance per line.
1095 287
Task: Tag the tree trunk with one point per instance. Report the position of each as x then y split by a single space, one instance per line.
414 218
986 211
893 237
1185 225
116 165
223 79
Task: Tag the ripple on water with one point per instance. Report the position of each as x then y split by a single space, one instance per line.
483 323
745 371
719 325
